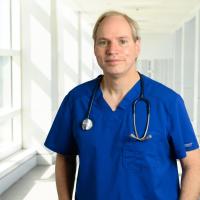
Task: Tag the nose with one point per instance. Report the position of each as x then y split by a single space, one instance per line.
112 48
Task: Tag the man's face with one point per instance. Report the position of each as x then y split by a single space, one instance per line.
114 48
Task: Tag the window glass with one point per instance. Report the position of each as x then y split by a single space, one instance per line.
6 131
5 82
5 24
15 24
10 78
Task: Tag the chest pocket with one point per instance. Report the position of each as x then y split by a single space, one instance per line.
141 156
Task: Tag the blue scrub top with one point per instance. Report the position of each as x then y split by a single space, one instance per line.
113 165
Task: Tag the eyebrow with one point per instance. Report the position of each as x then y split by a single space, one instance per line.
120 37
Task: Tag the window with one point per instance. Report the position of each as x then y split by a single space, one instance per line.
5 28
10 80
5 82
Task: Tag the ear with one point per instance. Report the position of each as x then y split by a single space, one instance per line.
138 46
94 48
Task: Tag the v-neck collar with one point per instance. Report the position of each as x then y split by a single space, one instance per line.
131 95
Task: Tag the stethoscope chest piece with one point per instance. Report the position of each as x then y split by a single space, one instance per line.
87 124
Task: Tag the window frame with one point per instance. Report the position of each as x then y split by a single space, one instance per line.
14 112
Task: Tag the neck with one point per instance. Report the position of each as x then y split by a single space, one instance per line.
119 86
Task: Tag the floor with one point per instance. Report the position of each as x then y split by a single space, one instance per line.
37 184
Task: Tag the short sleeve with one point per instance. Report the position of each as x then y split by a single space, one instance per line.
60 137
180 129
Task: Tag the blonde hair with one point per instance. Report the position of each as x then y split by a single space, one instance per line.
133 24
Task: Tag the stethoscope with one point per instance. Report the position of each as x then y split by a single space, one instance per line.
87 123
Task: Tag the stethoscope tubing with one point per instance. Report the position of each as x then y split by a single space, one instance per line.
87 123
136 135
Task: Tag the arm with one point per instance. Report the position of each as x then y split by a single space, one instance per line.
65 174
190 180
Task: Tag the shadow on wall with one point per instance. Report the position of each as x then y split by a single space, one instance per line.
40 82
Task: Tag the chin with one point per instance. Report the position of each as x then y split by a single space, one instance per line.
114 73
113 70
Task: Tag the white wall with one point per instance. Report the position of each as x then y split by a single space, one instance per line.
56 56
75 47
157 57
157 46
187 62
37 72
197 77
188 58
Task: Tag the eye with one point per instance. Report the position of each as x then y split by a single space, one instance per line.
102 43
123 42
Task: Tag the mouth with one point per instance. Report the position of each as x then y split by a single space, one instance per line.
113 60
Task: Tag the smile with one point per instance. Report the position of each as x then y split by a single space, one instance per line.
113 61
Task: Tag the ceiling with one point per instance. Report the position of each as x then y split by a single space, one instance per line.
153 16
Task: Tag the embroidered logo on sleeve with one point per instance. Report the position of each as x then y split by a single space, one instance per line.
188 144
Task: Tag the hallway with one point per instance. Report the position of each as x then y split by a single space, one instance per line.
47 48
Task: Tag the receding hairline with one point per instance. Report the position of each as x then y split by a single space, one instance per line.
132 23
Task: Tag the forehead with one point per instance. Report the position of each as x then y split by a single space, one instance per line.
114 26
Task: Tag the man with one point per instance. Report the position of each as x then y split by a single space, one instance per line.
125 152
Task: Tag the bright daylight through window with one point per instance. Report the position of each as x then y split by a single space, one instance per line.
10 80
